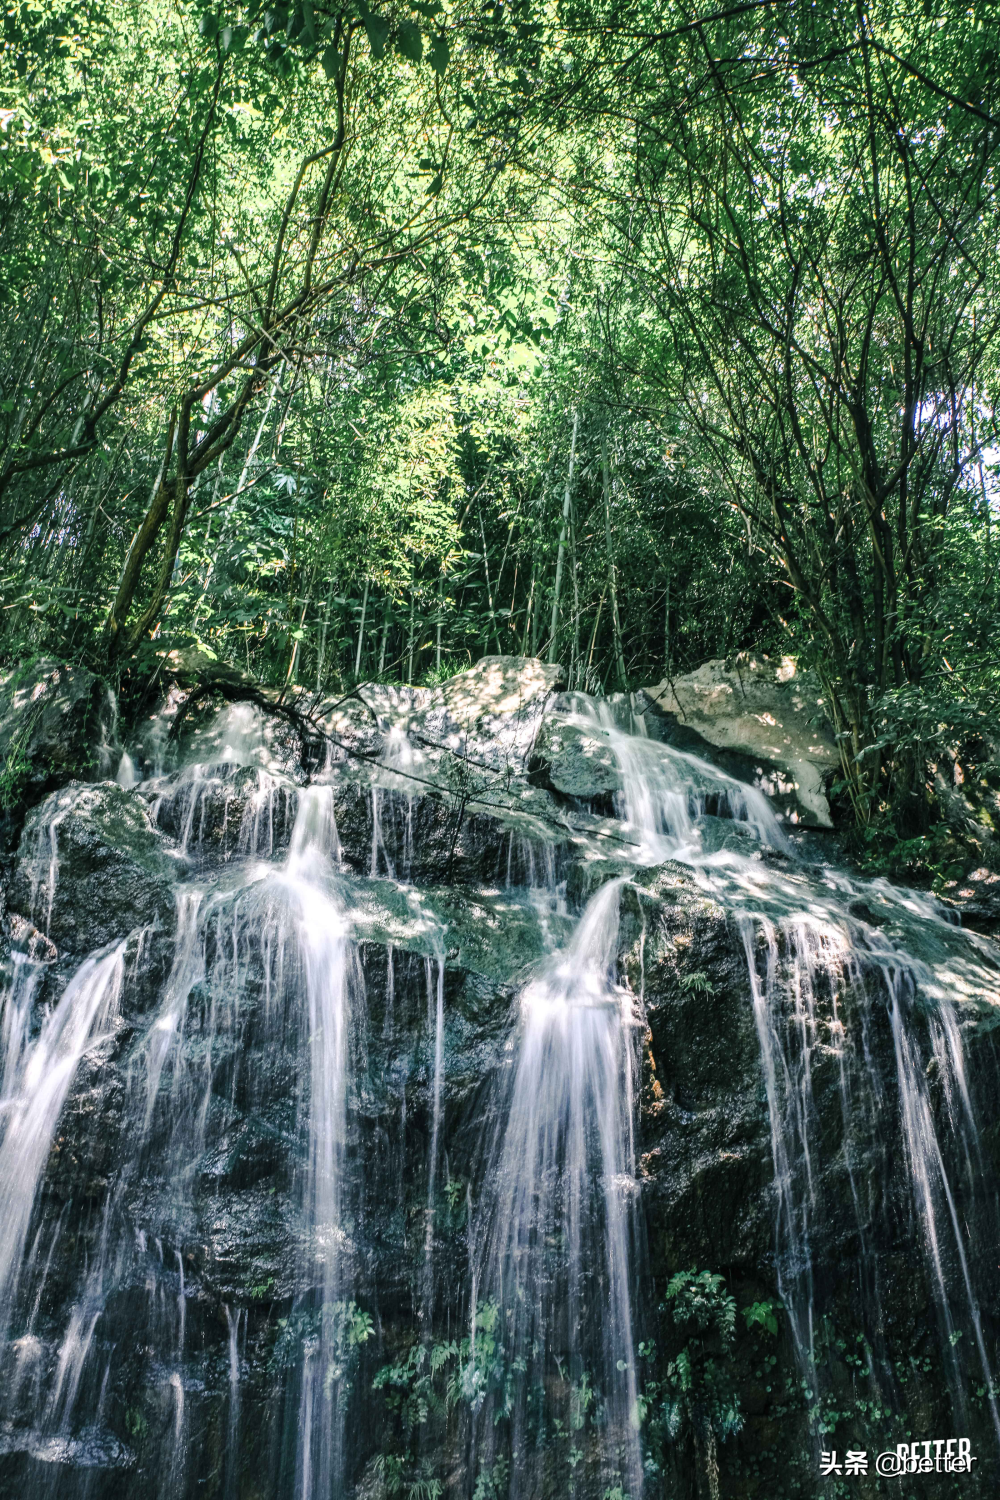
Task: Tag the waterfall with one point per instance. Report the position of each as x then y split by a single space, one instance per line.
127 775
820 978
557 1222
39 1082
233 1423
665 790
324 949
237 1196
18 1001
435 1028
276 930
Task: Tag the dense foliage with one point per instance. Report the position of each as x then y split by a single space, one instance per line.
344 342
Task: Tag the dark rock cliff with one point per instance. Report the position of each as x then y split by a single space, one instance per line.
157 1323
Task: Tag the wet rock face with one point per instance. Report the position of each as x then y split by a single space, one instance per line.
219 812
575 763
857 1258
976 898
706 1151
489 716
196 1181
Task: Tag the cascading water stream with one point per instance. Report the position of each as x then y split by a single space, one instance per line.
277 930
817 959
556 1233
239 1082
665 791
292 916
326 960
435 1028
36 1087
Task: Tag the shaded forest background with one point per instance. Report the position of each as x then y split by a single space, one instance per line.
341 343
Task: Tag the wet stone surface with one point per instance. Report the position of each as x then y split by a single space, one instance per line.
316 1052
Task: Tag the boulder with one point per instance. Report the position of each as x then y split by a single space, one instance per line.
91 868
360 720
192 666
486 718
490 714
57 723
577 764
766 710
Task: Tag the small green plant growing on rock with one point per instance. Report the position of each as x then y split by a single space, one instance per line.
695 1399
396 1484
761 1315
468 1370
697 983
491 1483
343 1326
136 1424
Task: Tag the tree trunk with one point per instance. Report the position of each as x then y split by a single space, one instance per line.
386 610
612 583
530 629
321 657
361 630
554 630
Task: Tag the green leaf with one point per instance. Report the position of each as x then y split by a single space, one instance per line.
232 38
331 62
409 41
378 33
434 186
425 9
439 55
209 26
309 20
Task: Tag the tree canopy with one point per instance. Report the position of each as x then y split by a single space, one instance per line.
347 341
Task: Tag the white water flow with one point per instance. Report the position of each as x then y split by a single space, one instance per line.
15 1024
326 957
232 773
259 990
557 1230
127 776
824 982
35 1089
233 1423
435 1028
664 791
